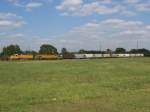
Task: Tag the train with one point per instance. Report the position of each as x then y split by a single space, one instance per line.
32 57
93 56
46 57
21 57
76 56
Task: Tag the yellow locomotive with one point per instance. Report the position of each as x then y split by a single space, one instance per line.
21 57
31 57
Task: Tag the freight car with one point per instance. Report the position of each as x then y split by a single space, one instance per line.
92 56
79 56
46 57
31 57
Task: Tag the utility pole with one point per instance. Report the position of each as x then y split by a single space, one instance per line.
137 45
100 46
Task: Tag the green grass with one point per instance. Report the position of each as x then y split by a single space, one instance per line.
101 85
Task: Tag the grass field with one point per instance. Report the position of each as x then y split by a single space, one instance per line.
101 85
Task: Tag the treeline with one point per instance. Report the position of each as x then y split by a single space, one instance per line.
49 49
144 51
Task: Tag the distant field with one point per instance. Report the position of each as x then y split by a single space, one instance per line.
101 85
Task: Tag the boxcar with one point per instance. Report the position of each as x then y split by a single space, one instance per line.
106 55
89 56
97 55
79 56
46 57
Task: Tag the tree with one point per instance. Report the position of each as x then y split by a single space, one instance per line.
133 51
64 51
10 50
66 54
30 52
109 51
82 51
120 50
47 49
146 52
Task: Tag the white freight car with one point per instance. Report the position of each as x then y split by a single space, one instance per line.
114 55
123 55
106 55
139 55
88 55
132 55
97 55
79 56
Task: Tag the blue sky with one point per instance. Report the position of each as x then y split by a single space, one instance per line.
75 24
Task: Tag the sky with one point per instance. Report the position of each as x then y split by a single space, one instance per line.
75 24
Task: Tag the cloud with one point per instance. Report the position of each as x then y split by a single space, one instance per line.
79 7
19 38
70 6
33 5
132 1
139 5
143 7
29 4
103 7
110 33
89 7
128 13
10 21
13 1
100 7
105 1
